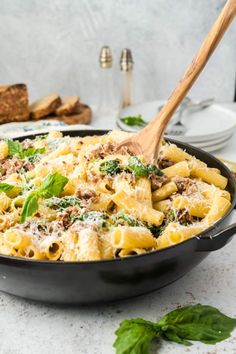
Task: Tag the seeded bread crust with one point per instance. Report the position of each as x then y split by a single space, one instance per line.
13 103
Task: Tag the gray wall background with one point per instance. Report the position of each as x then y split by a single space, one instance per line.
54 45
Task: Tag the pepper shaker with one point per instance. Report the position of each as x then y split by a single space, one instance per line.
126 67
106 104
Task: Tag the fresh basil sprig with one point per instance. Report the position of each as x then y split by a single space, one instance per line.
15 148
133 121
51 186
200 323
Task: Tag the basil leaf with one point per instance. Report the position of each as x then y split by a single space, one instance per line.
198 323
111 167
15 148
30 206
5 187
135 120
52 185
134 336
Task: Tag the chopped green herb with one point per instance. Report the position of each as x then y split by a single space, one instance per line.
111 167
141 170
156 230
200 323
172 215
133 121
125 219
63 203
33 154
94 217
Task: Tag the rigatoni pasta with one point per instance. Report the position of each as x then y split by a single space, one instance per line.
87 199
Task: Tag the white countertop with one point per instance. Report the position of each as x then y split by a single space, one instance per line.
35 328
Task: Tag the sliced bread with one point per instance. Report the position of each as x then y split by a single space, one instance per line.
69 105
45 106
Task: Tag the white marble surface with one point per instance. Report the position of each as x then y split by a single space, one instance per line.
27 327
54 45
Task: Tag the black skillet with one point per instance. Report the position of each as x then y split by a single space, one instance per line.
109 280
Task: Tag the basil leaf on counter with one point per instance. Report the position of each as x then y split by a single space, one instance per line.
200 323
52 185
135 120
134 336
30 206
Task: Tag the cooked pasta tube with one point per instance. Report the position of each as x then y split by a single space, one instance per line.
132 237
178 169
52 248
175 154
162 205
5 202
88 245
210 192
31 252
131 252
175 233
133 207
16 238
143 191
164 192
195 206
219 207
210 176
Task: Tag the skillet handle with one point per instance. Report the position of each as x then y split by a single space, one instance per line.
219 240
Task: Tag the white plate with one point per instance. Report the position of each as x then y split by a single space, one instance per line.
209 143
215 147
210 123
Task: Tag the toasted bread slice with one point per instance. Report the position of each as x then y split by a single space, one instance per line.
69 106
45 106
82 117
13 103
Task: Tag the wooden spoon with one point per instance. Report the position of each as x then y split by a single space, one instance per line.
147 141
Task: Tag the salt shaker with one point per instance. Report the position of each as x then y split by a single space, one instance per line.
107 104
126 67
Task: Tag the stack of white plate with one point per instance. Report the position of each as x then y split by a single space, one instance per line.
209 129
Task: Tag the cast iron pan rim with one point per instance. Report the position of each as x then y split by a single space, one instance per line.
14 259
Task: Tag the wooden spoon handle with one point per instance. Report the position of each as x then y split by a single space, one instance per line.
159 123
